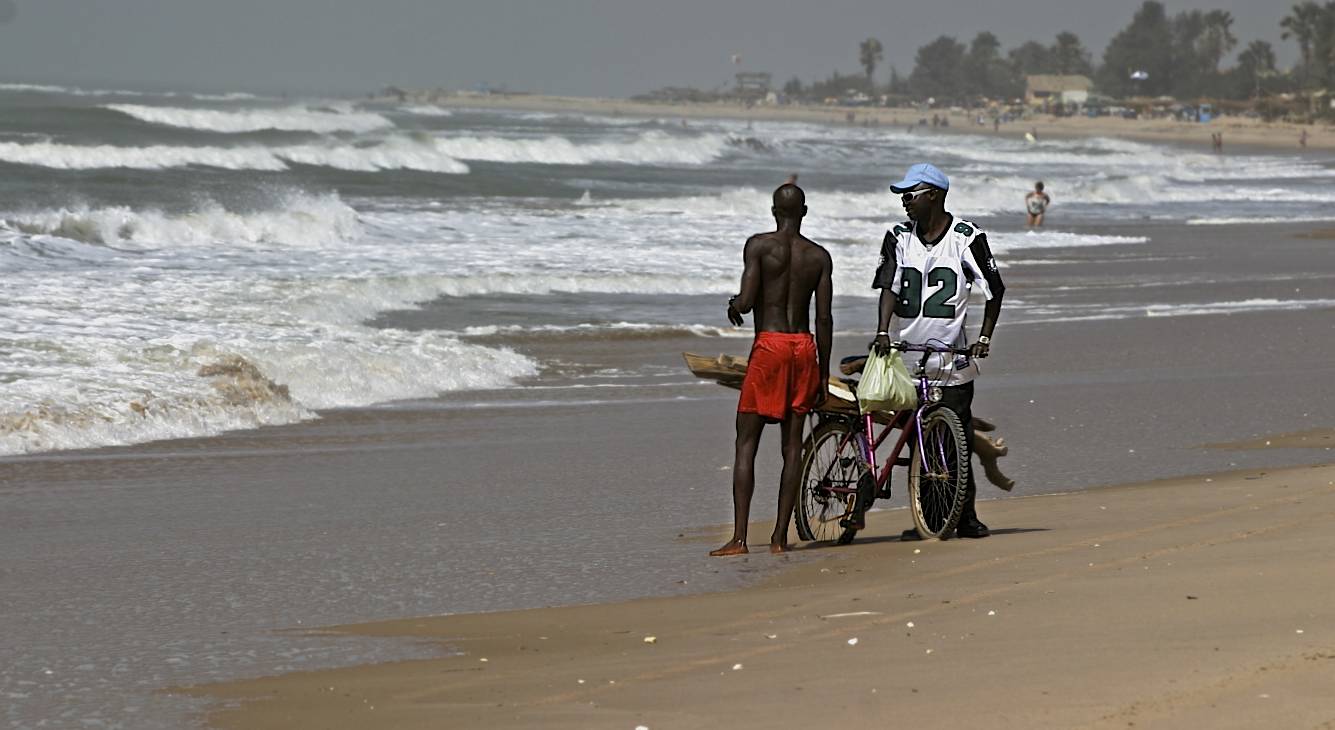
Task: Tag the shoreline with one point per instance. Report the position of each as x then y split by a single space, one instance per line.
1175 589
1238 132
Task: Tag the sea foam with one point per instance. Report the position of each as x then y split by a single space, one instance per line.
209 320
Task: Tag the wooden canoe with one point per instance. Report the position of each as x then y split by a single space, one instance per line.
729 370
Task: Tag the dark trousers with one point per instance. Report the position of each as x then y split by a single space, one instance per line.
959 398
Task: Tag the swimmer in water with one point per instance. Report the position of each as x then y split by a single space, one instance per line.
1036 204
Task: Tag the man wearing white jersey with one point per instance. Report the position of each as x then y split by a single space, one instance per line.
929 266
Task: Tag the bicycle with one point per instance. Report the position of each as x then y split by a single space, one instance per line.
840 478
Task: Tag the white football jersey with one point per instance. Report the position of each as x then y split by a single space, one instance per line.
932 284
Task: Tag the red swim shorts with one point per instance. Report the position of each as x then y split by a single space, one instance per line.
782 375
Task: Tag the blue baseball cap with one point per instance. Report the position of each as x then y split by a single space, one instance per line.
922 172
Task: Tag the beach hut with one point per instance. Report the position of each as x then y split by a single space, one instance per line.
1049 90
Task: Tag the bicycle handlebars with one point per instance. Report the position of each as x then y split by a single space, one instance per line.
906 347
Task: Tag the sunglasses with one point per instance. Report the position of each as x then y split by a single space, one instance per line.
912 195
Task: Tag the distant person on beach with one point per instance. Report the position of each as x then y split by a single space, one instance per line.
1036 204
1302 139
929 265
787 372
1217 142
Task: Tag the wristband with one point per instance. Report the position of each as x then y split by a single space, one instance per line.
882 332
984 340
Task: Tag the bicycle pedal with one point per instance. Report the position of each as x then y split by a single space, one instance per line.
848 523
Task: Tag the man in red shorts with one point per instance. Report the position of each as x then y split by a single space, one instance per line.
788 368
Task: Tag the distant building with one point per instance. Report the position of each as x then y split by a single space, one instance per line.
1048 89
753 85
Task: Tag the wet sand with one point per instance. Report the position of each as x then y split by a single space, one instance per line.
1184 603
187 562
1169 603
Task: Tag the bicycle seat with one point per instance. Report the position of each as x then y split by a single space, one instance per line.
852 364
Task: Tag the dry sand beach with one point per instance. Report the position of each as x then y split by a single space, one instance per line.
1237 130
1199 602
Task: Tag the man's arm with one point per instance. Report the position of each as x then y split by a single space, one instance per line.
985 265
885 313
887 280
746 299
824 323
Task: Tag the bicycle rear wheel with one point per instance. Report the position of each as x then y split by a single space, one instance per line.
832 470
939 475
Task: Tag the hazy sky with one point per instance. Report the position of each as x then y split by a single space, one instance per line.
607 47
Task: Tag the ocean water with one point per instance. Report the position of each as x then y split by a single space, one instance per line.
184 264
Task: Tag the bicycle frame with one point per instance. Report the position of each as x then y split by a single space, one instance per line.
901 421
909 422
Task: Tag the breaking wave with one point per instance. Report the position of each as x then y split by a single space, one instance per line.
204 388
298 220
426 110
1236 220
650 148
1095 312
397 153
393 154
208 321
288 119
601 331
76 91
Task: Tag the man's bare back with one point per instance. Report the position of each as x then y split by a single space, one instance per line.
783 272
789 266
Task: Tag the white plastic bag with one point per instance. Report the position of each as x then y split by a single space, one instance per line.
886 384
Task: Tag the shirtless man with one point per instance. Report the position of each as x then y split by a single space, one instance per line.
787 372
1036 204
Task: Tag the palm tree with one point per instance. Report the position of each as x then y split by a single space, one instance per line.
1255 61
1069 56
1323 46
1303 25
869 54
1217 38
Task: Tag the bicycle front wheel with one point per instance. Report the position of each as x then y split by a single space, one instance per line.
939 475
832 470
